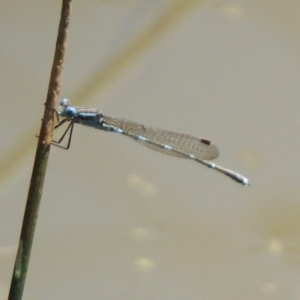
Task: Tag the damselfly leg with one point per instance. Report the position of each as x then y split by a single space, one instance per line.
69 128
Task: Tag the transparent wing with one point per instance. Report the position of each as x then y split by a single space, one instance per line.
155 138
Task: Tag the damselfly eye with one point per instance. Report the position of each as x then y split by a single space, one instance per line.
70 112
64 102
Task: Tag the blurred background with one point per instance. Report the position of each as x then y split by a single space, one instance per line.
120 221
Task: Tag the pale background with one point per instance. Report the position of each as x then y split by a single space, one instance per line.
119 221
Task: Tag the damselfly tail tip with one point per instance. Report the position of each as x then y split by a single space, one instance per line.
245 181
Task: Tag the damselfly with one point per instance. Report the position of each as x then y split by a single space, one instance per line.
168 142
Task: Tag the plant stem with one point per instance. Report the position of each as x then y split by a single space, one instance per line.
41 159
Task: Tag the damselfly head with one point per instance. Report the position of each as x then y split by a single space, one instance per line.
65 110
